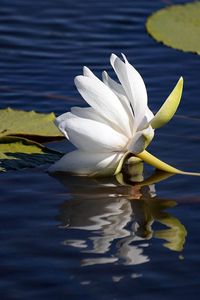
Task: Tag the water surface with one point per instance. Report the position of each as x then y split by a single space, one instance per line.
69 237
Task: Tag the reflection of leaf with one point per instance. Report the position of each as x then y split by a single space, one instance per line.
17 153
174 236
177 26
28 124
154 209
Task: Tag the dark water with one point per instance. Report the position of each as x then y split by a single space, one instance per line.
75 238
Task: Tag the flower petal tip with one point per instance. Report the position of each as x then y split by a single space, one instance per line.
113 57
85 69
88 73
104 75
79 81
124 57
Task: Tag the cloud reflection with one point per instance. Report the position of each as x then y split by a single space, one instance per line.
118 218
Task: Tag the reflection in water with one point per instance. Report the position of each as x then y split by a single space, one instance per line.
119 219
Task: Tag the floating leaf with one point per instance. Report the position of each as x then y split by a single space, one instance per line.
28 124
17 153
177 26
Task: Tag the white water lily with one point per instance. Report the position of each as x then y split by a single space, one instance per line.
117 121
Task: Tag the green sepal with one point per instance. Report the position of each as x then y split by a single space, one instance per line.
168 109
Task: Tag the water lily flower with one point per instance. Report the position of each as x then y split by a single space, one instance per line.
117 122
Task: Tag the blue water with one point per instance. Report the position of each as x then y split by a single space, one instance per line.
75 238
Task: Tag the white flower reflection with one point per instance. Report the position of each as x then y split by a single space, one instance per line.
118 220
107 227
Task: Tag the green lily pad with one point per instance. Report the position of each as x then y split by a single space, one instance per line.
17 153
177 26
29 124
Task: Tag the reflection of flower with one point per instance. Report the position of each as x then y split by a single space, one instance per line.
118 220
118 120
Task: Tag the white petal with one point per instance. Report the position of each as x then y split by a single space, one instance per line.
61 118
146 120
90 113
138 144
141 140
104 102
88 73
60 123
87 113
82 112
120 93
133 85
84 163
90 135
116 87
149 115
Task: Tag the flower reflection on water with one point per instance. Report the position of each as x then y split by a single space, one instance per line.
119 218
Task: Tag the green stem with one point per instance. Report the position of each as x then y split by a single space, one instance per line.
159 164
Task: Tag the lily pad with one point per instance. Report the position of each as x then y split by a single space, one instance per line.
177 26
18 153
29 124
